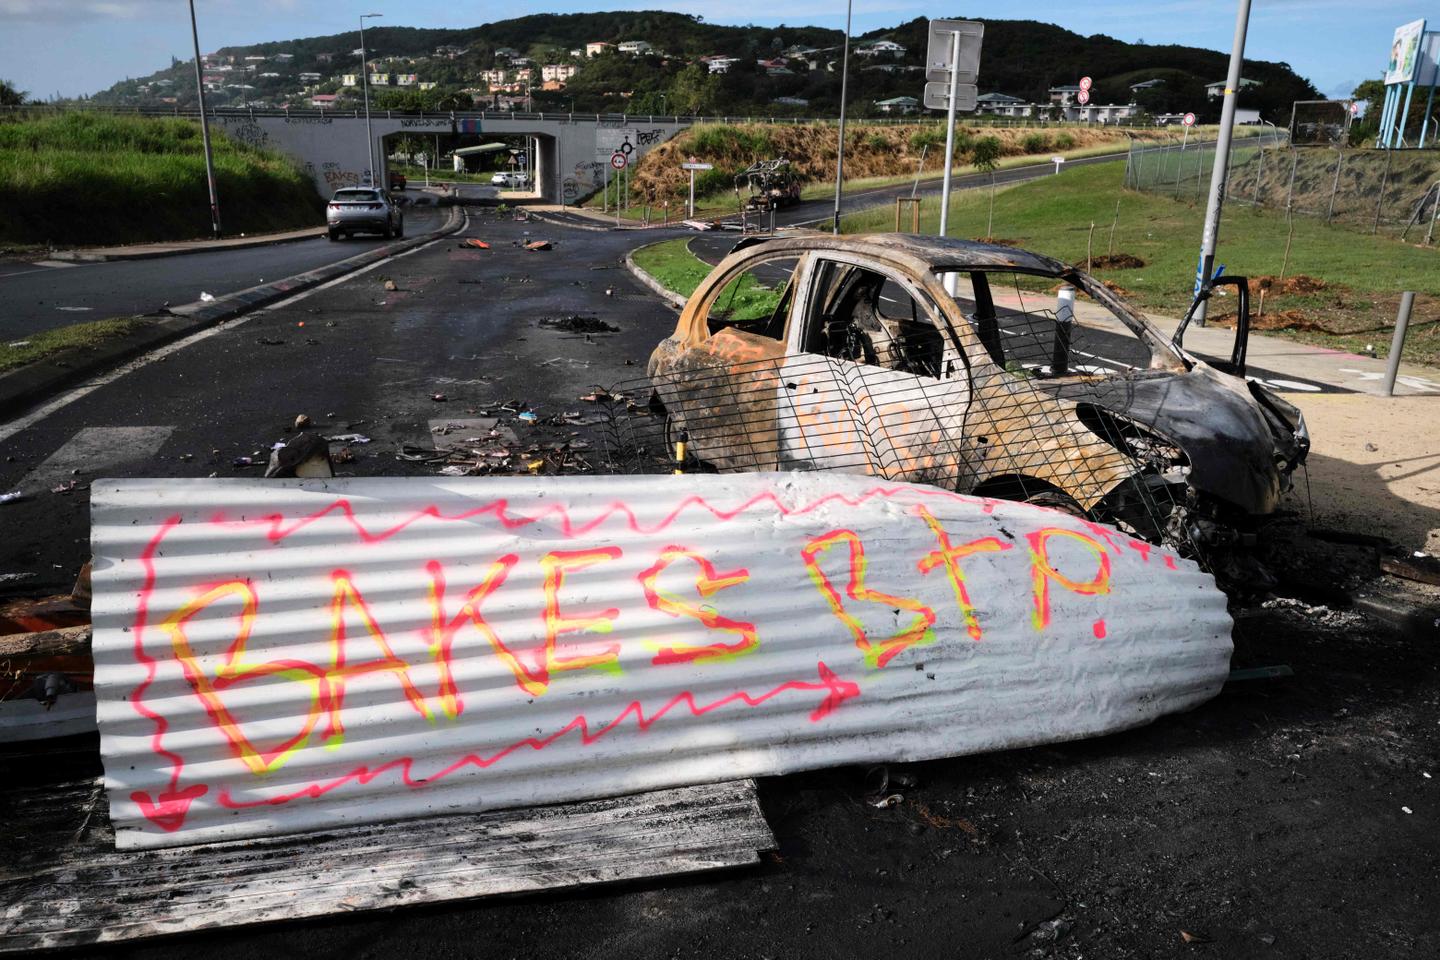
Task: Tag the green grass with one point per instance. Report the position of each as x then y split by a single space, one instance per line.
673 265
1052 215
93 179
41 346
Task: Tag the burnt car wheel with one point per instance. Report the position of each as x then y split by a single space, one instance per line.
1056 500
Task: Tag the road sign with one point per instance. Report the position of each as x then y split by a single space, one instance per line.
627 147
1083 97
937 53
937 95
618 160
1057 161
1086 83
692 165
1189 120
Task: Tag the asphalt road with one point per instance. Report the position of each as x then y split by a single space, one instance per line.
37 297
1267 822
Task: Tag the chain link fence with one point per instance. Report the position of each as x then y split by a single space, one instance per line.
1390 191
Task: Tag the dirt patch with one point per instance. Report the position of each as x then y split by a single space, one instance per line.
1115 288
1277 320
1298 284
1117 261
575 323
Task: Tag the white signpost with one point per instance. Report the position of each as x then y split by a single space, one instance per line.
692 165
1187 122
952 58
1057 161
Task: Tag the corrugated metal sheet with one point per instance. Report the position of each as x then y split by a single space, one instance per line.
279 656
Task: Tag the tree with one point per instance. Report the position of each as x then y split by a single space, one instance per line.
986 154
9 96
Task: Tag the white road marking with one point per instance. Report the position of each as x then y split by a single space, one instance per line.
94 450
64 400
55 264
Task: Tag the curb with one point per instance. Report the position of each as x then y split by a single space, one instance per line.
26 386
82 256
656 287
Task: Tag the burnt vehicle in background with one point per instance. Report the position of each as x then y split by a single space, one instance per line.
972 367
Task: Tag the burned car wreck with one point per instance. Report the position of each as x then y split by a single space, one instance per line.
973 367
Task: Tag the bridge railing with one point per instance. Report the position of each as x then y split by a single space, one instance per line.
551 117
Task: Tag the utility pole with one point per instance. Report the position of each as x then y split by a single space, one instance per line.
365 80
844 90
205 129
1220 172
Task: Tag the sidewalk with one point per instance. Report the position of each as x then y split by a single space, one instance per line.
146 251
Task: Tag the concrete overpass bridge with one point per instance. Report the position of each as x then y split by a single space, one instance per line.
572 150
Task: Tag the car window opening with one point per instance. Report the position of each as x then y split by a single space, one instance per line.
758 300
862 315
1016 318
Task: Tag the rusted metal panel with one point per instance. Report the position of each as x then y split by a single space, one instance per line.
282 656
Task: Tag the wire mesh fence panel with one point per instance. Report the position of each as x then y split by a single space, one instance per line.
908 409
1388 191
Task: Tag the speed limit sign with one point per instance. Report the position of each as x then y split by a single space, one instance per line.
618 160
1189 120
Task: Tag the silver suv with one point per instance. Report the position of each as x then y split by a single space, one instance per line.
357 209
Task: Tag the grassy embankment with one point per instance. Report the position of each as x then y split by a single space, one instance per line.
92 179
1342 285
18 353
875 156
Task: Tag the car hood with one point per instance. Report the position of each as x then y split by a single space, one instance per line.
1212 417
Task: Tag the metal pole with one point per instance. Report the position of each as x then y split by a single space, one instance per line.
205 129
1221 168
692 195
1397 342
844 92
365 82
950 134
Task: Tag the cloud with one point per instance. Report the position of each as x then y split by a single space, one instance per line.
39 11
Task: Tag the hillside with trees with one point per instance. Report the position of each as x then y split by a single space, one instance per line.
779 71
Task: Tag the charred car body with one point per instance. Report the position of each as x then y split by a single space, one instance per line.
965 365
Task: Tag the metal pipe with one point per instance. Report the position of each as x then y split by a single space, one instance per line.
365 83
950 133
205 129
844 91
1397 342
1220 171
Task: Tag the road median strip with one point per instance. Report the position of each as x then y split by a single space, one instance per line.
43 373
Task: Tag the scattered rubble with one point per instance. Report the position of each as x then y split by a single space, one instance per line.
575 323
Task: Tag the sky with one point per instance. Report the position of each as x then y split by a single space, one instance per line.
72 47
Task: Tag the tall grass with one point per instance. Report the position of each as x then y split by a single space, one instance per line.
83 178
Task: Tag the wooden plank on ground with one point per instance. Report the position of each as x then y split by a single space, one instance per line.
64 883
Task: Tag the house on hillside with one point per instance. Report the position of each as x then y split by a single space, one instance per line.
1102 114
635 48
1216 90
379 79
1064 95
324 57
324 99
898 105
1147 84
494 78
448 52
350 80
1003 105
426 85
881 48
719 64
284 57
406 79
506 53
597 48
558 71
791 101
309 77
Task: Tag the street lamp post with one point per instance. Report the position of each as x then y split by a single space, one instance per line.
205 129
365 85
844 87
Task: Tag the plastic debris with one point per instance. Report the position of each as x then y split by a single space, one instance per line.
528 417
535 245
301 422
390 286
14 577
454 470
17 344
207 297
306 456
348 438
477 244
12 496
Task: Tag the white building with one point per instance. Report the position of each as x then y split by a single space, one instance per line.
881 48
720 64
1003 105
406 79
635 48
1064 95
379 79
898 105
558 71
597 48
